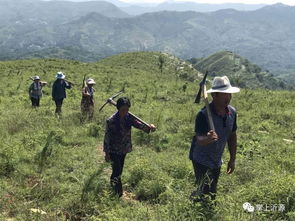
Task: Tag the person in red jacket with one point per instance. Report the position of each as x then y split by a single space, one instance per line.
117 140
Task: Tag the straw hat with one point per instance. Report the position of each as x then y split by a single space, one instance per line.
36 78
90 81
222 85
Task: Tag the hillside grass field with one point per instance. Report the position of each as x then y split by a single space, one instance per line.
53 168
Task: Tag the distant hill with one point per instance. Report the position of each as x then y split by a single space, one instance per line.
136 9
270 43
70 52
53 12
241 72
286 75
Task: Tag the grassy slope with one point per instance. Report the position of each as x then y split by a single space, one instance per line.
57 165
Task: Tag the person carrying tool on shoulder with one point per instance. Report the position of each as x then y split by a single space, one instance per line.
117 140
59 91
35 91
208 144
87 102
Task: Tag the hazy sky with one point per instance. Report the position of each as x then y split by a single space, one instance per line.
287 2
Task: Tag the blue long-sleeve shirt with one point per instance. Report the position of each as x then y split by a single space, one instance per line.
59 89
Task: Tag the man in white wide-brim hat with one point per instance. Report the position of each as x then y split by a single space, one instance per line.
208 145
87 101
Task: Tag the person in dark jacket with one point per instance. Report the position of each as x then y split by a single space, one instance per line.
35 91
59 91
117 140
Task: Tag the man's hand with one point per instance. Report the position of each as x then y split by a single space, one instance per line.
107 157
212 137
230 166
209 138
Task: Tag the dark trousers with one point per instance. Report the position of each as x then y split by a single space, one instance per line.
206 180
117 169
35 102
58 104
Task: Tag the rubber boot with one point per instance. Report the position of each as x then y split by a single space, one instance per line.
116 185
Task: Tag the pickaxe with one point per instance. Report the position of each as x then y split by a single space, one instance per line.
202 90
84 82
111 101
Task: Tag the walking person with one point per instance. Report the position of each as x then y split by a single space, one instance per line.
117 140
59 91
35 91
87 102
208 146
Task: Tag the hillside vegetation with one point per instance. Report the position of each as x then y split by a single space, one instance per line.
53 168
100 29
242 72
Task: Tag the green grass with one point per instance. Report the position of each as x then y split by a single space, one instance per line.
57 166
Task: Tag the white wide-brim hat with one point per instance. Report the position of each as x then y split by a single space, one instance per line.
60 75
222 85
36 78
90 81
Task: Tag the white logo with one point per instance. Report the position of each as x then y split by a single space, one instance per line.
264 207
248 207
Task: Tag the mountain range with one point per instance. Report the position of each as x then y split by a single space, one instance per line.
89 31
52 12
187 6
138 7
